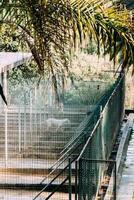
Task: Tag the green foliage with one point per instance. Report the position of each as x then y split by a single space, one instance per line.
24 74
91 48
10 40
86 93
24 77
21 81
52 29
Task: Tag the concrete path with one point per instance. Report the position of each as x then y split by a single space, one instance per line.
29 195
24 163
126 188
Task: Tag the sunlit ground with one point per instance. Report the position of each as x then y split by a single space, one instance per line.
28 195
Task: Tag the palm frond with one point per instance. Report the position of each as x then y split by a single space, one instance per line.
57 26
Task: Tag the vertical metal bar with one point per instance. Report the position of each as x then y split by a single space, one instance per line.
76 180
31 113
40 121
80 191
35 111
1 102
115 181
70 184
6 139
5 107
19 130
50 92
24 120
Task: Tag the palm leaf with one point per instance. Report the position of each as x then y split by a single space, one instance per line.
55 25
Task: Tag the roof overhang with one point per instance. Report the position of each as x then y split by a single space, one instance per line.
9 60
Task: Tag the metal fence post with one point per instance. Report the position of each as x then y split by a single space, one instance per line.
115 168
76 180
80 189
25 139
6 137
70 184
31 114
19 116
6 115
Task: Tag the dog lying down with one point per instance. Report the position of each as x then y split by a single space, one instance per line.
57 123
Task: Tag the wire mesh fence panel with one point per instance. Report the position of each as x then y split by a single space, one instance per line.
38 136
93 179
39 128
100 143
33 147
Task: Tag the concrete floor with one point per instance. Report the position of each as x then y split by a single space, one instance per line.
26 177
126 188
29 195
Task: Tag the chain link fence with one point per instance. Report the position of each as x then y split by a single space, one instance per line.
90 173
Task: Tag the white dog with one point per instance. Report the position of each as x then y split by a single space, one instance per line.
57 123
